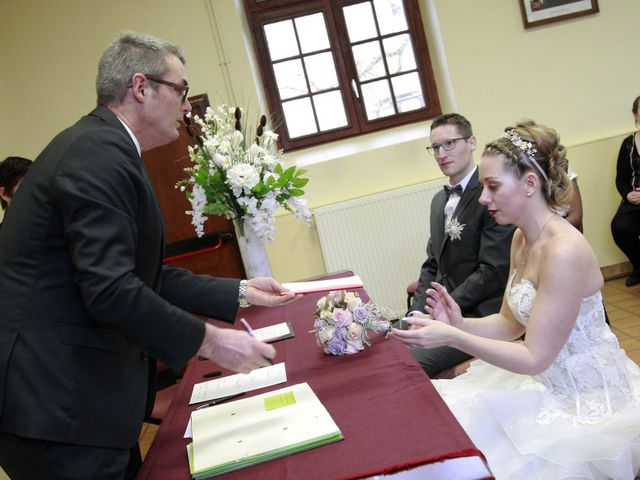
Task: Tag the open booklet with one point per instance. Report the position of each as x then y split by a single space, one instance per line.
253 430
325 285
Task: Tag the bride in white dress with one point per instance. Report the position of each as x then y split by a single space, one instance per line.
565 401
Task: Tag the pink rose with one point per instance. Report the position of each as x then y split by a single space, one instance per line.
354 331
341 317
354 338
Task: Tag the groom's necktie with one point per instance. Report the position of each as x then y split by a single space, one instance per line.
448 190
453 198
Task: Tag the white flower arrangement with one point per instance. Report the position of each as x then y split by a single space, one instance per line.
454 229
239 177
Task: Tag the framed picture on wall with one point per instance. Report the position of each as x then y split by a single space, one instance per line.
541 12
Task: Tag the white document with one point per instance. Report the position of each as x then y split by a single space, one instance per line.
325 285
240 382
253 430
273 332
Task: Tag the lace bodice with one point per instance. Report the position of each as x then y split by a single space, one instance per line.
588 380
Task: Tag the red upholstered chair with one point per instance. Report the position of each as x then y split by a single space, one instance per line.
411 289
164 398
167 388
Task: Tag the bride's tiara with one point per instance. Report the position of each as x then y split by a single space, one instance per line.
526 147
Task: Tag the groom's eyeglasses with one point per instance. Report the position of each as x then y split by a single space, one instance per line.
447 145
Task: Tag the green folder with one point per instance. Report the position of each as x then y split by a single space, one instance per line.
253 430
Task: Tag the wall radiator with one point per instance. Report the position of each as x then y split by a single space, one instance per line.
380 237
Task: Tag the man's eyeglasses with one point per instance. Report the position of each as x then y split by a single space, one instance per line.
182 90
447 145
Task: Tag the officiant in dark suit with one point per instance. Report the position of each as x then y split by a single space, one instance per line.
468 252
86 303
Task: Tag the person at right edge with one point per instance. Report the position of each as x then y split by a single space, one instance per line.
468 252
625 226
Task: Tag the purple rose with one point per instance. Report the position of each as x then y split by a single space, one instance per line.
338 342
319 324
341 317
360 314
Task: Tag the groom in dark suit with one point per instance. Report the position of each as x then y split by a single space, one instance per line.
468 252
85 301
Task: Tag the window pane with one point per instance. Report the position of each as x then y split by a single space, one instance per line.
299 117
312 33
334 69
281 40
330 110
321 71
407 91
290 79
390 14
360 23
377 99
399 53
369 64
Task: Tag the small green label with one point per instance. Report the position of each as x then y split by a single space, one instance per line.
279 401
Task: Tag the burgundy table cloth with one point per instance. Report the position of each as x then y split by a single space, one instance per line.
390 415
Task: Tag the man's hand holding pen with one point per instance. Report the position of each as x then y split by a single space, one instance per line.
249 330
235 350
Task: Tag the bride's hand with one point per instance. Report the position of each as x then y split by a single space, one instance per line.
415 314
425 332
442 306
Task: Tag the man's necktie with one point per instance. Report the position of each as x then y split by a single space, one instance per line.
448 190
452 202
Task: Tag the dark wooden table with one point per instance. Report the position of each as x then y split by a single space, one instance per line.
393 421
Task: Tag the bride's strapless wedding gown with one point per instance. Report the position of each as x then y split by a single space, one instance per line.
578 419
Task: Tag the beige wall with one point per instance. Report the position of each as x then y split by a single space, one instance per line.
579 76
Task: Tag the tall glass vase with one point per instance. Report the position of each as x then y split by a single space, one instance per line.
253 251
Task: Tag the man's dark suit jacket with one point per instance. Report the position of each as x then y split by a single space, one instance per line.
475 267
84 297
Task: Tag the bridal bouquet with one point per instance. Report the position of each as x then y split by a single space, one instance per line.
241 175
342 322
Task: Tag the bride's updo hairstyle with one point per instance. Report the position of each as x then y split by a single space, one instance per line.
529 147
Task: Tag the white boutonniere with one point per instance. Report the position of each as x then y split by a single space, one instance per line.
454 229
